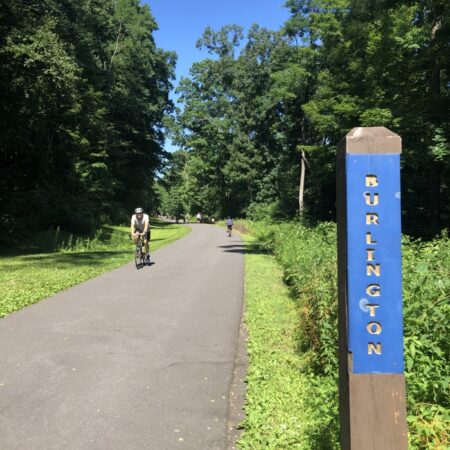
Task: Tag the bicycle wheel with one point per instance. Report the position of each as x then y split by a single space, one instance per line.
138 255
142 256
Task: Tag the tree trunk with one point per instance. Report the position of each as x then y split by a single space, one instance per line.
302 185
435 170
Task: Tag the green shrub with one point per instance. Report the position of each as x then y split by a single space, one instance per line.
262 211
426 307
308 258
287 407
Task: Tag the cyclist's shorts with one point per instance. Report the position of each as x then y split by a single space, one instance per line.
147 235
229 227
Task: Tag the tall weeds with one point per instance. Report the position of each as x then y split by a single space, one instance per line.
308 258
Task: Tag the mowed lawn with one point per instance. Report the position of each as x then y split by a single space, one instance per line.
277 414
27 277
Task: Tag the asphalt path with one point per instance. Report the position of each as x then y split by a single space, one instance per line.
133 359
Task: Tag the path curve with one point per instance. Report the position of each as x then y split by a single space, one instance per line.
132 359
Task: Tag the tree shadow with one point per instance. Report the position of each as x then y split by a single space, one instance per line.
50 241
74 259
253 249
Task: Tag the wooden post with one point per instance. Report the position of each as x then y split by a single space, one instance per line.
302 185
372 404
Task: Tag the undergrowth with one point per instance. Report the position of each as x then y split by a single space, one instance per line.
285 401
308 260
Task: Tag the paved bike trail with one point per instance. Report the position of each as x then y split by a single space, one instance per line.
132 359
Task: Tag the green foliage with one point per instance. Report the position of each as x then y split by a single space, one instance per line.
384 64
262 211
335 65
85 90
440 147
296 248
30 275
287 406
228 121
426 300
308 259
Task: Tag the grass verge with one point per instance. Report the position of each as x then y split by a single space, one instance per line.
281 396
27 277
307 257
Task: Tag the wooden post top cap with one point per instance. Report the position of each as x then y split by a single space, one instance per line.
371 140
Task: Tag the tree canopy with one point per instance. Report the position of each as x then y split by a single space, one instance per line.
85 110
84 93
251 109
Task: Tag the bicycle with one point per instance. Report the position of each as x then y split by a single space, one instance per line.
139 254
229 230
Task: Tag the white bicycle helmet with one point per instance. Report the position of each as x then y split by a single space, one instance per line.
138 211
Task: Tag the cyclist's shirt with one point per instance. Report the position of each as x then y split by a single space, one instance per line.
229 222
139 225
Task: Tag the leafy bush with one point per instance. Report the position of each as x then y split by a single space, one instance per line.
285 404
426 306
308 258
262 211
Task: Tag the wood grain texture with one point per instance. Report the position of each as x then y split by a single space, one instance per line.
378 412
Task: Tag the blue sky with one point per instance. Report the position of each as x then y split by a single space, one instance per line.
182 22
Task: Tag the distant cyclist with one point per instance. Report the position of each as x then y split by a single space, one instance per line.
229 225
140 226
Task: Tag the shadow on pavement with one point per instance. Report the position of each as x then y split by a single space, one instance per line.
253 249
141 266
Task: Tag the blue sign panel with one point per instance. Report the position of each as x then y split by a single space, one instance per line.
375 330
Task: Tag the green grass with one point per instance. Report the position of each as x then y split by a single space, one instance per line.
282 402
29 276
300 331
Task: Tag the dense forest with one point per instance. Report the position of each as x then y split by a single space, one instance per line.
85 111
84 91
248 112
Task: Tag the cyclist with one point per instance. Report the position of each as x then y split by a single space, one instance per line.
140 226
229 225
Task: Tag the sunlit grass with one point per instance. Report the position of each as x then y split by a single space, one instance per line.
26 278
278 389
307 257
